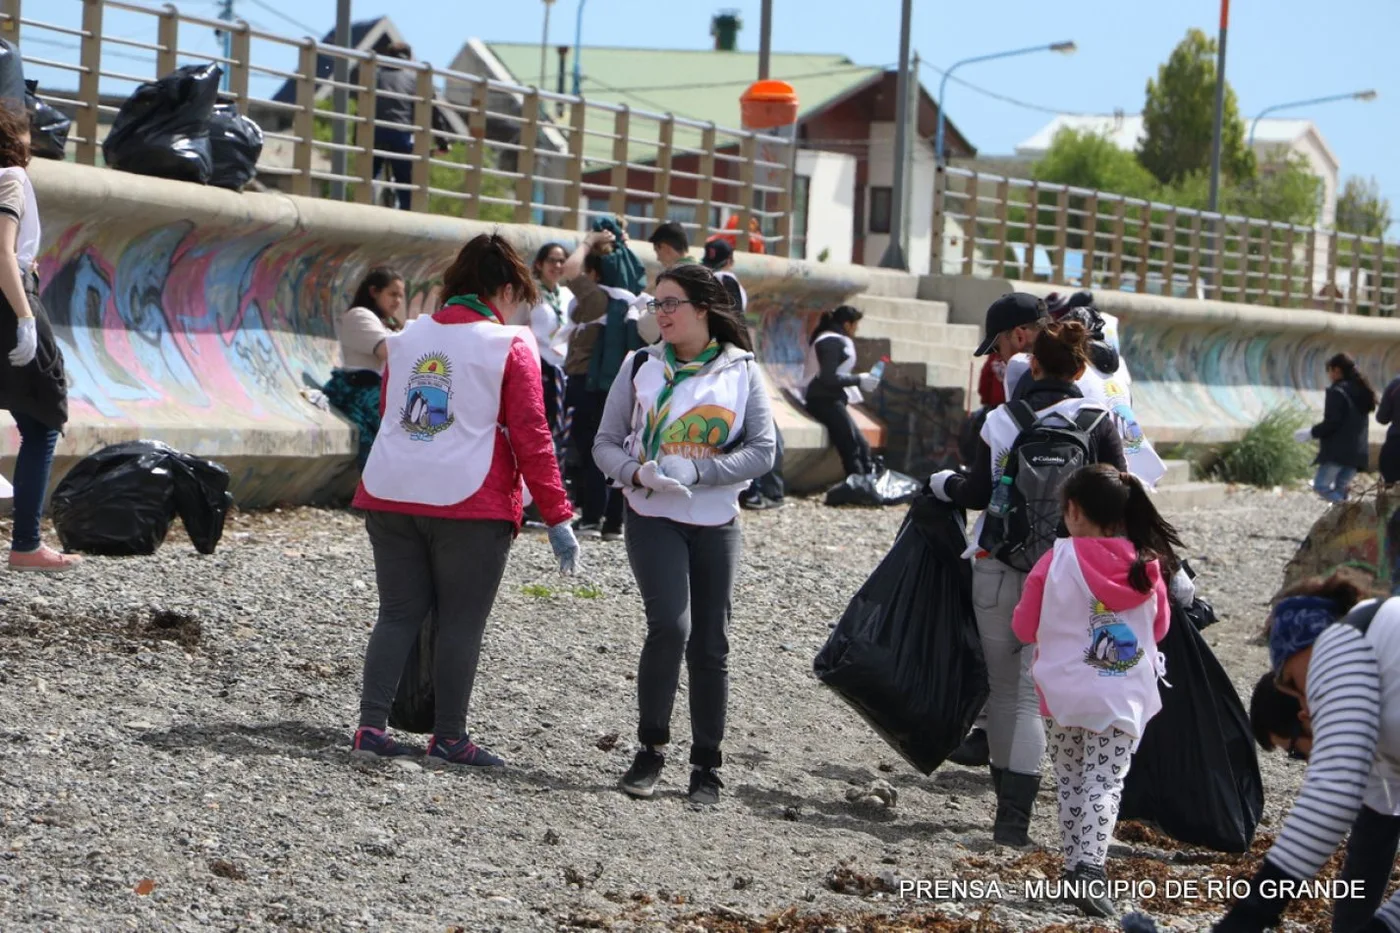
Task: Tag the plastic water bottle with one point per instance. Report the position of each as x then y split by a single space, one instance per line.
878 370
1001 498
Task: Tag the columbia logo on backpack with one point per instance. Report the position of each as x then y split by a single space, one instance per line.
1023 520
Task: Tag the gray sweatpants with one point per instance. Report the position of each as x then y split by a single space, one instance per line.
448 565
686 577
1015 731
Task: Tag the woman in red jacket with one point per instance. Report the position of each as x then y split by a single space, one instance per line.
462 424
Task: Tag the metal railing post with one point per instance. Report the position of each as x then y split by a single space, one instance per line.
707 180
748 172
525 164
422 140
665 153
474 179
168 38
89 80
366 104
11 26
940 185
574 217
304 123
617 203
238 71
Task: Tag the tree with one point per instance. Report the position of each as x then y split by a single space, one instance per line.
1179 117
1089 160
1361 209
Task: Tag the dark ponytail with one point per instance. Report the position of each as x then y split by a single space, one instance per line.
834 321
1117 501
1347 365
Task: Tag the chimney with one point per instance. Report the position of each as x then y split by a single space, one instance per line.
725 29
563 67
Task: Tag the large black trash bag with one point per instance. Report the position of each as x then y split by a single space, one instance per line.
11 73
906 654
881 487
163 128
1195 774
48 127
235 142
415 704
121 500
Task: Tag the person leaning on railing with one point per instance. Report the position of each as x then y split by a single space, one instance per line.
33 385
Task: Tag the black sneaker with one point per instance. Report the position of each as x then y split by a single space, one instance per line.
753 503
640 779
1091 896
704 787
611 533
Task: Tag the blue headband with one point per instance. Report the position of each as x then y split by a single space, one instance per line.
1298 620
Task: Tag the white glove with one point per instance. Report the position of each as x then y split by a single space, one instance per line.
1303 435
561 538
680 469
869 382
938 483
26 342
651 476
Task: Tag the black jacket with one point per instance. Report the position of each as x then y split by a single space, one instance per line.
974 491
1346 417
40 389
1388 410
828 384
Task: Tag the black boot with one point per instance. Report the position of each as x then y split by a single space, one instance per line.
996 778
973 752
1092 898
1015 802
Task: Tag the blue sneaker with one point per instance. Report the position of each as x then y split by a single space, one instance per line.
462 752
371 744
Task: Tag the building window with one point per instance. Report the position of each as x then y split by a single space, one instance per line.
881 200
801 198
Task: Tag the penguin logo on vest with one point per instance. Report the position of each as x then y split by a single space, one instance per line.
426 412
1113 647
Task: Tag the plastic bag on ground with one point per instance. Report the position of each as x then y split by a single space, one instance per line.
48 127
415 705
906 654
882 487
235 143
11 73
121 500
163 128
1195 774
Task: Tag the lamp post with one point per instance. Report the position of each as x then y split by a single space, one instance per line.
340 99
894 253
1216 134
544 45
1355 95
578 45
1066 48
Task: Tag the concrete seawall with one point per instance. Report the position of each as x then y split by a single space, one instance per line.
1204 371
196 316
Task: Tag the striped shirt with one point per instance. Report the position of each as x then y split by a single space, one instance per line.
1344 698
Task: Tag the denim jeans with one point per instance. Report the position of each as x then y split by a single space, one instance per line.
1333 481
400 170
32 466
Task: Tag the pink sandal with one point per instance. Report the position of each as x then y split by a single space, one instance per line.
43 559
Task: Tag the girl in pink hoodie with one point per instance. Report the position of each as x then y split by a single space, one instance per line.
1095 607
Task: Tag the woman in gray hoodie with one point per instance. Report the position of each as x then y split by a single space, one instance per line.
687 425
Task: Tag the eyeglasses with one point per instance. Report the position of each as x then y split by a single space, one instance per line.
666 305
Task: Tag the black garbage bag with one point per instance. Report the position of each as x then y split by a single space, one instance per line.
121 500
882 487
235 143
1195 774
414 704
163 128
906 654
48 127
11 72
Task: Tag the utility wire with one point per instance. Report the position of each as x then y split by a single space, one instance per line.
309 30
1039 108
745 82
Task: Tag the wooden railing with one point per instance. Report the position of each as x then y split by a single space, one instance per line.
496 151
983 224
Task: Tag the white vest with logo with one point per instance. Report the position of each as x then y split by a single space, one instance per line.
1000 431
706 419
1096 668
438 436
812 369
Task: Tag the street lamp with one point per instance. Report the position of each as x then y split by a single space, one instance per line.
578 45
1066 48
1355 95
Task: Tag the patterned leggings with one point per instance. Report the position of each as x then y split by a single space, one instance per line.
1089 769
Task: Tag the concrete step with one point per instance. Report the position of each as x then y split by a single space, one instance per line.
1185 497
889 283
1178 473
954 336
901 309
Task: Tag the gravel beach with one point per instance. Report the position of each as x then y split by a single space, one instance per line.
174 736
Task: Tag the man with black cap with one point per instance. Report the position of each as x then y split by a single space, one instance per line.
719 259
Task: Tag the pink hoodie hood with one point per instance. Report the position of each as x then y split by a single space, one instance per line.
1104 563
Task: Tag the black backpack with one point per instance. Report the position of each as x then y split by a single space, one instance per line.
1047 452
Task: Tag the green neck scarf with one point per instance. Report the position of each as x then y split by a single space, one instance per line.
661 410
476 304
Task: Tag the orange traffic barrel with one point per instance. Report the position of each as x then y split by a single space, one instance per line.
767 104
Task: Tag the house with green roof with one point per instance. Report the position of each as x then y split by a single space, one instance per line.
845 132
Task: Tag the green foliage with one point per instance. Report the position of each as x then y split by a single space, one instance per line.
1267 455
1179 117
588 591
1361 209
582 591
537 590
1089 160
